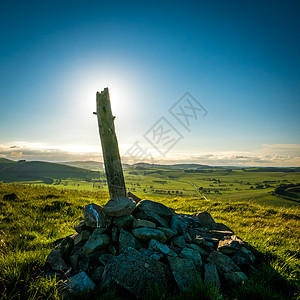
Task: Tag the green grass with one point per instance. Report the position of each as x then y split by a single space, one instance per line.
40 215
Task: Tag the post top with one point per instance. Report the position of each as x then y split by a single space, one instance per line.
104 91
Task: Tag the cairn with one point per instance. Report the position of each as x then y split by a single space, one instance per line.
148 244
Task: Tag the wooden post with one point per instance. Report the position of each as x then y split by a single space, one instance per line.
111 155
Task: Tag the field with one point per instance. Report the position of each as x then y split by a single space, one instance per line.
260 205
253 186
38 216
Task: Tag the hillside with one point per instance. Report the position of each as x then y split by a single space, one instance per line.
38 170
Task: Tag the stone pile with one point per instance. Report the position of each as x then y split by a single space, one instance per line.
132 245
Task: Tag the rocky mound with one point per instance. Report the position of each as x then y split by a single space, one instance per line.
137 244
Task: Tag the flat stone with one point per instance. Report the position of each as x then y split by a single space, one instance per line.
74 261
80 227
126 240
193 256
243 257
200 241
230 245
143 223
81 237
223 227
224 263
94 216
66 246
137 273
179 224
169 233
146 234
124 221
84 263
156 207
192 221
79 283
95 243
202 251
219 234
152 216
205 219
157 246
236 277
97 274
135 198
106 259
178 241
211 276
119 207
184 272
56 261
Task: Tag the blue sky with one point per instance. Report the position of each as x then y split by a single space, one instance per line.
239 60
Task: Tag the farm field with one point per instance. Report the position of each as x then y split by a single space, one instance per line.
254 186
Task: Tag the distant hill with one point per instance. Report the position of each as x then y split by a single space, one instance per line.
39 170
89 165
174 166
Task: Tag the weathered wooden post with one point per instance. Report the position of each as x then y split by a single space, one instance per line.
118 204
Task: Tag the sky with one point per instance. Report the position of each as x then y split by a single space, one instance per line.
209 82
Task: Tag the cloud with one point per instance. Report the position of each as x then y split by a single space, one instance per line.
276 155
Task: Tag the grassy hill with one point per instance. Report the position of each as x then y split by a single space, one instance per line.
38 216
37 170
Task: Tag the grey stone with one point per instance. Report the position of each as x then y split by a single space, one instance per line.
146 234
191 220
126 240
56 261
151 216
157 246
106 259
95 242
97 274
178 241
236 277
223 227
74 261
224 263
94 216
111 249
100 230
119 207
200 241
79 283
143 223
169 233
205 219
211 276
134 197
202 251
193 256
156 207
179 224
219 234
115 234
83 264
80 227
243 257
184 272
230 245
81 237
124 221
136 273
66 246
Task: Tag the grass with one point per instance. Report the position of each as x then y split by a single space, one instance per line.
40 215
